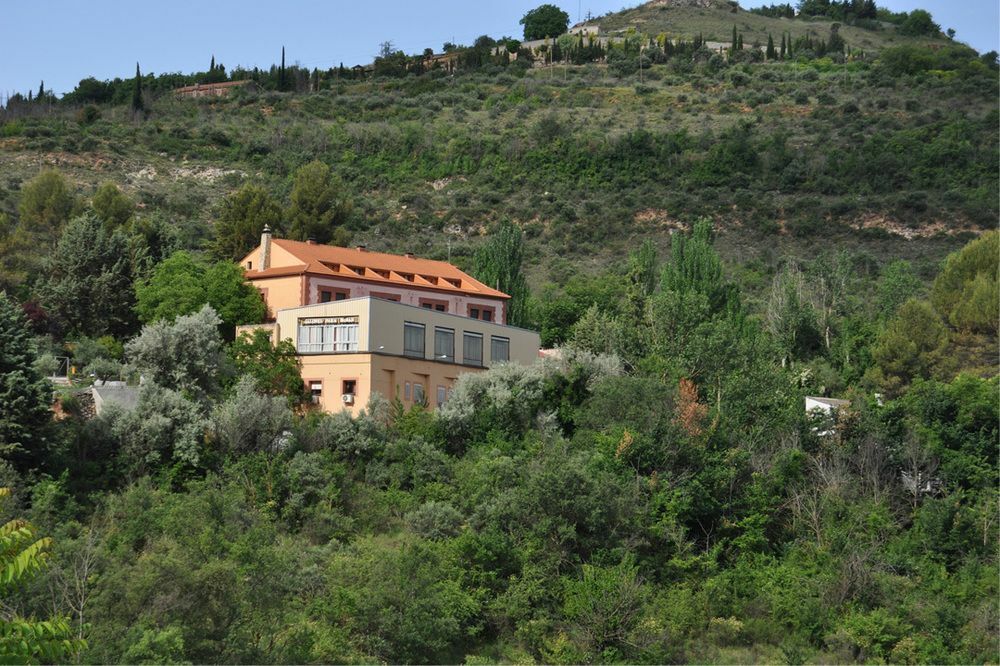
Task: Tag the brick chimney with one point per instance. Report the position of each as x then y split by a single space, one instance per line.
265 248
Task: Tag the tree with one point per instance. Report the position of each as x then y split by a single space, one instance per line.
46 204
250 421
919 24
183 355
111 205
24 641
898 284
24 393
164 427
963 293
181 284
90 277
791 318
242 218
137 103
783 48
275 367
282 82
497 264
910 347
695 266
770 53
319 205
544 21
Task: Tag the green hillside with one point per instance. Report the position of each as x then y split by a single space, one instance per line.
709 238
714 21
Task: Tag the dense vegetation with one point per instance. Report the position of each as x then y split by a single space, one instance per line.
708 237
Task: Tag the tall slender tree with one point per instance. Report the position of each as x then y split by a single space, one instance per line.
281 71
770 53
137 104
498 265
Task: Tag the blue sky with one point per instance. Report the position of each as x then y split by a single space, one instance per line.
63 41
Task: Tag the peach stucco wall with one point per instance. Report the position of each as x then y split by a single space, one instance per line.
386 375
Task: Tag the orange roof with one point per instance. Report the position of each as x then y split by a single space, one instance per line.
375 267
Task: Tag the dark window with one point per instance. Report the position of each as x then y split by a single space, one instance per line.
472 349
350 386
440 307
499 349
429 306
341 296
413 340
325 296
444 344
474 313
487 315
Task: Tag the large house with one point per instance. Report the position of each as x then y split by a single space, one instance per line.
365 322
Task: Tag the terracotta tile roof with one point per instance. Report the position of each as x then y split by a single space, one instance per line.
375 267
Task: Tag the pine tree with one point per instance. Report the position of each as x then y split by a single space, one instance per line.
24 393
137 104
770 54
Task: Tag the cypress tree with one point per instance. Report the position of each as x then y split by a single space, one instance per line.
739 42
281 71
782 46
137 91
770 48
211 66
733 47
41 91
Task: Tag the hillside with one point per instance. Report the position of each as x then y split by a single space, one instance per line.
714 20
707 243
584 160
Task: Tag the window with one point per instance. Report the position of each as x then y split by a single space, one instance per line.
315 391
328 334
413 340
472 349
350 387
249 265
418 394
444 344
327 295
406 391
433 304
481 312
499 349
442 395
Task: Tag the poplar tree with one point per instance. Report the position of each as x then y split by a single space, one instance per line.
497 264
